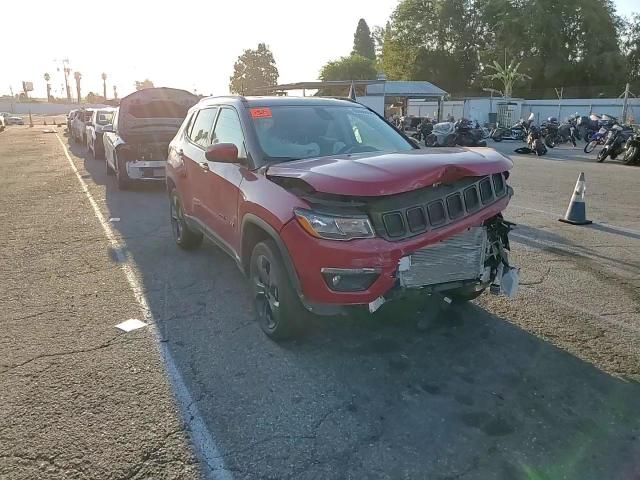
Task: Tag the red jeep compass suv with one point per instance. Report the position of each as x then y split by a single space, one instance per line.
323 204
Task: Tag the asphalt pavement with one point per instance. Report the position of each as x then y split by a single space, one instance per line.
542 387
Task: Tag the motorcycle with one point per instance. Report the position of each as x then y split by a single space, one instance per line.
534 143
517 132
614 145
467 135
597 138
554 133
443 135
424 129
632 150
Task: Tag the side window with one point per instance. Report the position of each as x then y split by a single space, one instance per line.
229 130
200 131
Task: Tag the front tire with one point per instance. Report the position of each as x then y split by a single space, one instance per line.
183 235
277 307
589 147
602 156
631 155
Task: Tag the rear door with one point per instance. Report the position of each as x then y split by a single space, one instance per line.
197 139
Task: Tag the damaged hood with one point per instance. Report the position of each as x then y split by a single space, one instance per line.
391 173
153 114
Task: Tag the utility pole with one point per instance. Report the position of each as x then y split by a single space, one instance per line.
625 103
67 71
559 95
104 85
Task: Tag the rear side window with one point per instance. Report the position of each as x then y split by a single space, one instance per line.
200 132
229 130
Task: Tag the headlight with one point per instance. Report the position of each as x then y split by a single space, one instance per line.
334 227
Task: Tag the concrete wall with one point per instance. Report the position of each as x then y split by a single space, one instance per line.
42 108
479 108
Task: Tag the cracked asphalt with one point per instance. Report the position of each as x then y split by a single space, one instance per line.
542 387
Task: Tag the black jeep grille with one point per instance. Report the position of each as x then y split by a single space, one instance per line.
433 207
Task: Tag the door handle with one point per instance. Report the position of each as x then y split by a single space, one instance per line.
204 165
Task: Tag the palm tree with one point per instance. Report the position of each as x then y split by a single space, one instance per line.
104 85
78 77
47 77
508 75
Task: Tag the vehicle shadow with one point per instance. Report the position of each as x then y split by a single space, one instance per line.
467 395
538 238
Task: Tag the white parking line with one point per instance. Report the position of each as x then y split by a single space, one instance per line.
203 440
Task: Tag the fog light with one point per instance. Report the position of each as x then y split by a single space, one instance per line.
350 279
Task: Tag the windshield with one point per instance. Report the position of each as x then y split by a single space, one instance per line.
297 132
104 118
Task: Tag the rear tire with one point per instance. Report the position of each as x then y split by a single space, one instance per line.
430 140
183 235
450 140
549 141
277 307
121 174
497 137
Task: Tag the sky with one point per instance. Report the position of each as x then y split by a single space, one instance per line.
189 44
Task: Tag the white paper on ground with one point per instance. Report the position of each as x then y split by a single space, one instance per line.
130 325
114 219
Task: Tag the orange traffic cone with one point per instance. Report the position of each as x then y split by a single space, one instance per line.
577 211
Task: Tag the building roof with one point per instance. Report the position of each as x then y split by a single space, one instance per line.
415 89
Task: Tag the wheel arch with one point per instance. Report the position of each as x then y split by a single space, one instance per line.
256 230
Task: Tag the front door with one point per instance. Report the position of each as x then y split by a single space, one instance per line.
223 179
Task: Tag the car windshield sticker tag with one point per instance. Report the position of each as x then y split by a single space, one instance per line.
261 113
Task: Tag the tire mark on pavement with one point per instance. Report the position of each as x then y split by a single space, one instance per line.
203 440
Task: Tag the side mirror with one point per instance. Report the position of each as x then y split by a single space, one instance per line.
222 153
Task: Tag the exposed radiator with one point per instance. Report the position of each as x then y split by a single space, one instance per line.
460 257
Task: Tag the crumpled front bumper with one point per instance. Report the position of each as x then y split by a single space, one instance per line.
310 255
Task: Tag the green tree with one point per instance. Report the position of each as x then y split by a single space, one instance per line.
632 47
453 43
363 44
254 69
507 75
353 67
146 83
434 40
